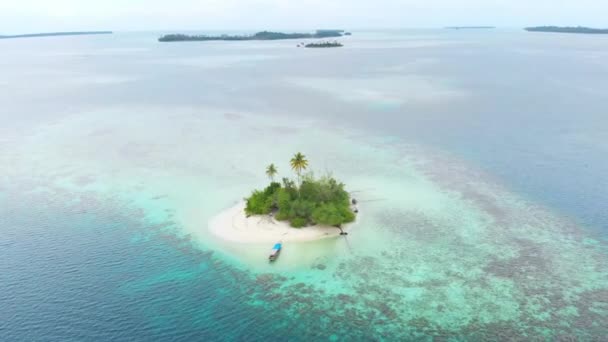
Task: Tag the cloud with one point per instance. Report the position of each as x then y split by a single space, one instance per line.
33 15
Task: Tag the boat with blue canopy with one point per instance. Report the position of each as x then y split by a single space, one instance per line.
274 253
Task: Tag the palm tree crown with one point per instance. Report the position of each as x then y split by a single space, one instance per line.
271 171
299 163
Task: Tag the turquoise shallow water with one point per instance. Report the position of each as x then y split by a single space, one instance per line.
109 179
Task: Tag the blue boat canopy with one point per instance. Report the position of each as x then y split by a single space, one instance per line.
277 246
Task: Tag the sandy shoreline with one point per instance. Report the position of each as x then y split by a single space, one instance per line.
232 225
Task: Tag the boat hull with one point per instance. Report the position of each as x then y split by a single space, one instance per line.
276 250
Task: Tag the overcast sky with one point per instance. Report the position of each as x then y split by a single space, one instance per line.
56 15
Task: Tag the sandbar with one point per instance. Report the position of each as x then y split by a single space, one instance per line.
233 225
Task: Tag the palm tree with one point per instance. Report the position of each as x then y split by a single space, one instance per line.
271 171
299 163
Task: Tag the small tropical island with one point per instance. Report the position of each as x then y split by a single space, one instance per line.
54 34
333 44
304 209
264 35
567 29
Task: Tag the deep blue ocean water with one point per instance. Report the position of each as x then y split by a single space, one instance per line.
82 264
75 272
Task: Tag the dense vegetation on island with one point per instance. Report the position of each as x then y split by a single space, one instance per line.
308 202
324 45
53 34
567 29
264 35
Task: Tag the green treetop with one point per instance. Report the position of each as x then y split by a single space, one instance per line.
299 163
271 171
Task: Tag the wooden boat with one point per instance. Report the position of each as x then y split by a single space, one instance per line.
276 250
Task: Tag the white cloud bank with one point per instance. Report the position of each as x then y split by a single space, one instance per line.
44 15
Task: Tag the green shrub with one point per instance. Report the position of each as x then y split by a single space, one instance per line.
311 190
301 208
282 215
262 202
333 214
347 214
290 187
323 201
298 222
258 204
327 214
283 198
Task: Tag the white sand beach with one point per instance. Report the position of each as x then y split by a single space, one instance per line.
232 225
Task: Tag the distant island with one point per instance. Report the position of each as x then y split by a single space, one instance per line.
303 210
264 35
470 27
567 29
54 34
324 45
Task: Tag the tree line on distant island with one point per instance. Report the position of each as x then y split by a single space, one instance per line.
54 34
308 202
324 44
567 29
264 35
556 29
